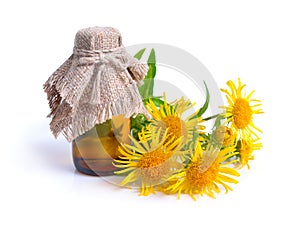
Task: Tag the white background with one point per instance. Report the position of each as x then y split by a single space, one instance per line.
258 41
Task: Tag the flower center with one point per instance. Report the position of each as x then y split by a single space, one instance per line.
175 125
200 174
153 165
242 113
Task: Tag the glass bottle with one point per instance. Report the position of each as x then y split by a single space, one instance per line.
94 151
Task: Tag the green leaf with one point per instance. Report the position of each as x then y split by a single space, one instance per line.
146 90
156 100
137 124
152 58
205 106
139 54
218 121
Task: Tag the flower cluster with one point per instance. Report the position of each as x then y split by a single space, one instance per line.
239 129
174 154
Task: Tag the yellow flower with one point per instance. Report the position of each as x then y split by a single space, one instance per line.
148 162
241 109
224 136
145 134
169 116
245 149
205 173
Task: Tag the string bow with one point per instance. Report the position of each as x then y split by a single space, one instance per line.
101 60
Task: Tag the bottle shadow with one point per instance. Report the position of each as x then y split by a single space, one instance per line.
54 154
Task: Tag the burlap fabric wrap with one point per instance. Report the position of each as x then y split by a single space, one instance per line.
98 81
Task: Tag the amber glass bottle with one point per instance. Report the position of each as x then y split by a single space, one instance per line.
94 151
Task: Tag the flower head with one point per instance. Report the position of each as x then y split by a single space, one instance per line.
205 173
245 149
148 162
224 136
241 109
170 116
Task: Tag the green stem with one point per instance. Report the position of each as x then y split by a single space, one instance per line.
212 117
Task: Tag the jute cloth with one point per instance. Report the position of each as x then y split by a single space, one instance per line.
98 81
